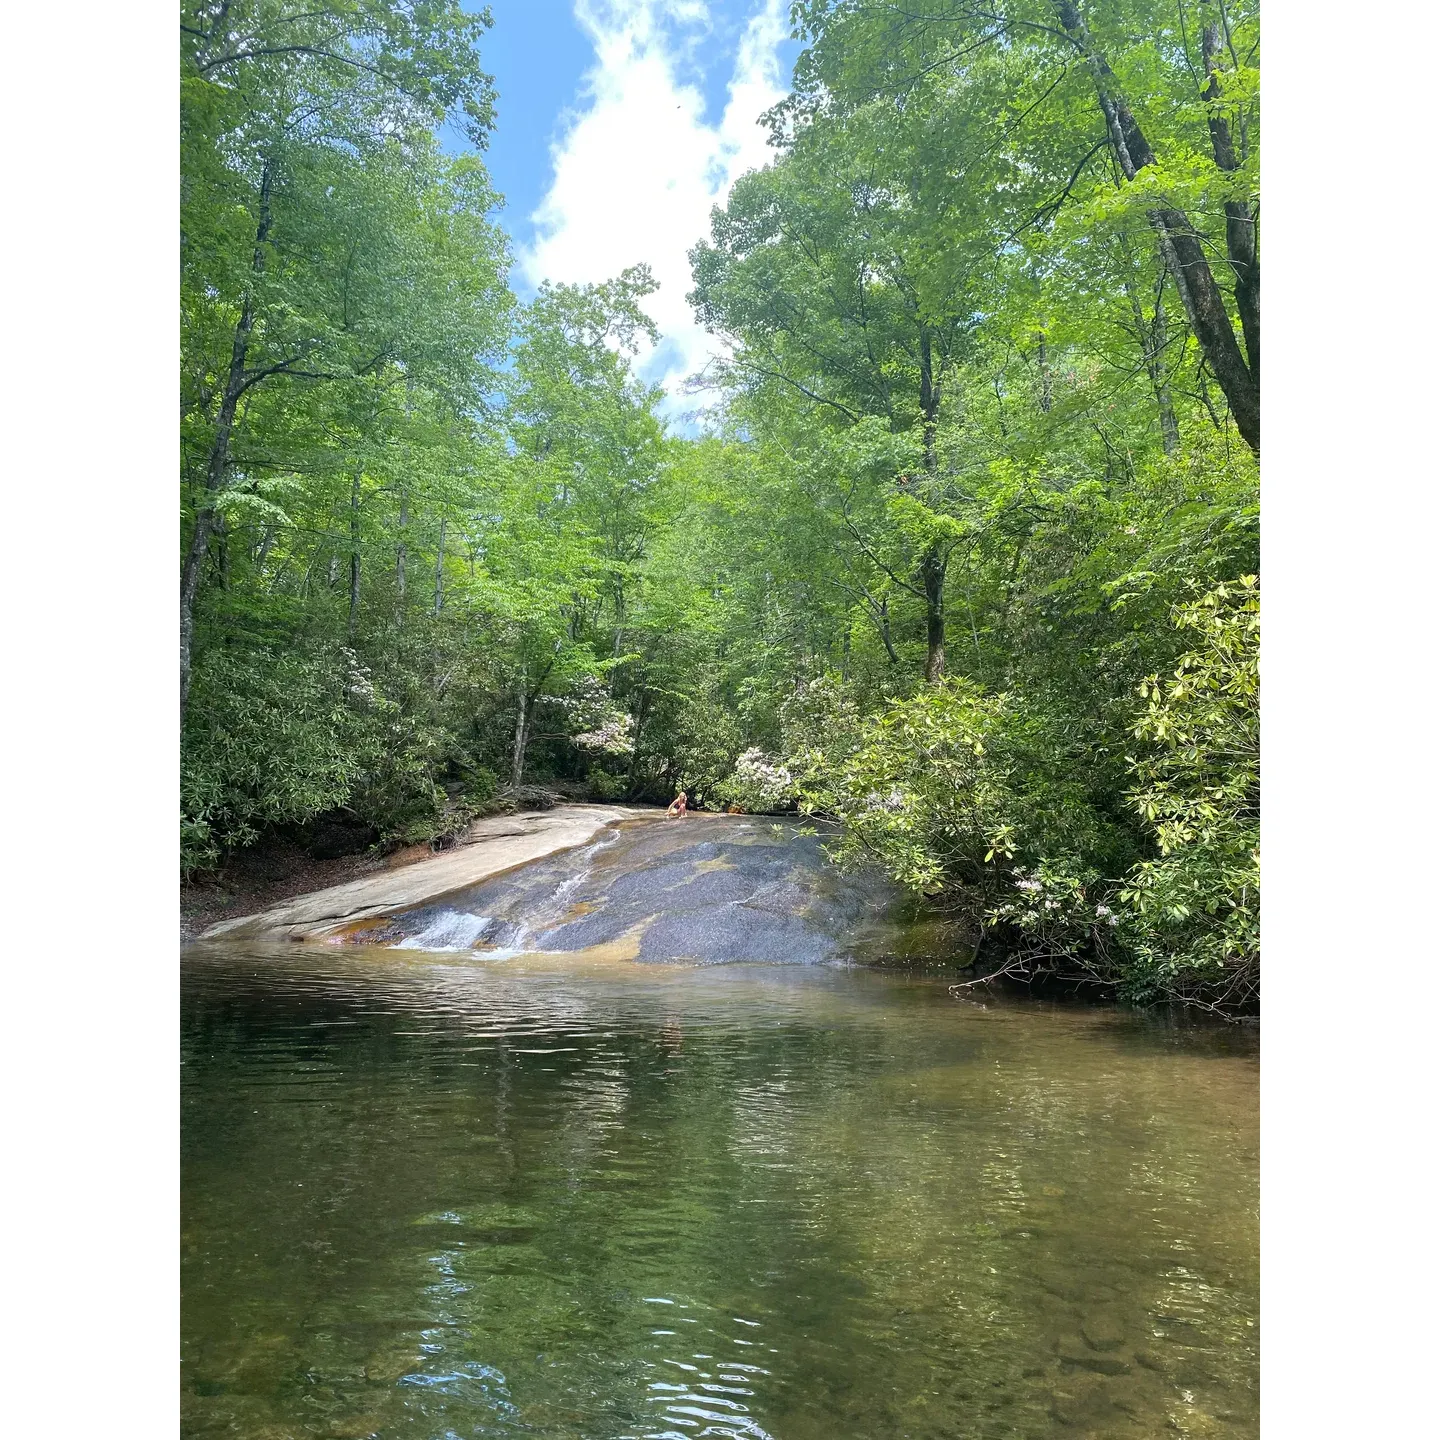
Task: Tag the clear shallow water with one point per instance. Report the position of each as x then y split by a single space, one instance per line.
573 1196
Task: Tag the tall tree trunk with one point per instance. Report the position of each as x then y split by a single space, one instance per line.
267 540
219 459
524 709
882 619
222 552
642 711
1164 401
440 569
932 574
618 644
1153 336
933 564
1047 391
401 552
354 553
1205 309
1179 242
1240 241
1204 388
929 405
522 721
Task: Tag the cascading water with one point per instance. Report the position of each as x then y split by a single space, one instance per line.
705 890
450 930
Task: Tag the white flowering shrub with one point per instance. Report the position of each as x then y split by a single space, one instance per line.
1050 913
949 792
600 726
760 784
971 799
613 736
918 790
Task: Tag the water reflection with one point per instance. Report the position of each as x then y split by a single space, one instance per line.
428 1196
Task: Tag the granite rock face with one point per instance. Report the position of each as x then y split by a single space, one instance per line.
704 890
490 848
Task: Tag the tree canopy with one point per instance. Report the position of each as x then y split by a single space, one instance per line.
964 556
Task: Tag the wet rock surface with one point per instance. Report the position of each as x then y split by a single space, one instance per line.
705 890
489 847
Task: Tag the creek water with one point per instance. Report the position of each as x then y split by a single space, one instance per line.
554 1190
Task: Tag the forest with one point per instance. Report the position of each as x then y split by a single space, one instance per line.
956 554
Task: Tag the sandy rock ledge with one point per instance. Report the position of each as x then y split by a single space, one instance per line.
489 847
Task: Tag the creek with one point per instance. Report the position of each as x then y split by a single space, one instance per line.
626 1144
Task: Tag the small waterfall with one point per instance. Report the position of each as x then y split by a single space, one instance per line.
449 930
560 898
711 891
457 930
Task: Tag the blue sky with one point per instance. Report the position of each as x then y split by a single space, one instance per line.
620 123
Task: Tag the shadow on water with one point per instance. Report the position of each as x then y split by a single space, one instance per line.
562 1194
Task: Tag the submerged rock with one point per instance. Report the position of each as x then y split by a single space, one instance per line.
1102 1331
1081 1357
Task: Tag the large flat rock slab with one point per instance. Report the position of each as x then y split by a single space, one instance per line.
490 848
705 890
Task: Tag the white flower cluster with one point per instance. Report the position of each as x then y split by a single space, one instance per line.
612 736
766 780
892 803
358 684
606 726
587 698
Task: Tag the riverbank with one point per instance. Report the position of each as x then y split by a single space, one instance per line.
298 904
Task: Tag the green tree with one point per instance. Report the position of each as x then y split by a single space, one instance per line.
1167 97
324 242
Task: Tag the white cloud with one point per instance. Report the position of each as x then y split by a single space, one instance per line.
639 167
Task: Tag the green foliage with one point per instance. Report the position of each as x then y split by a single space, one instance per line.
967 798
972 799
920 788
606 787
1193 912
273 738
968 463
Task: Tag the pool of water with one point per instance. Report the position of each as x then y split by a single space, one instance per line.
571 1195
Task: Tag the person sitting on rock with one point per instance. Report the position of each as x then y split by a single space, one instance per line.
677 807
